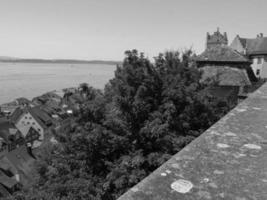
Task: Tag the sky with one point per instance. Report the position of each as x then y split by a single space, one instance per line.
104 29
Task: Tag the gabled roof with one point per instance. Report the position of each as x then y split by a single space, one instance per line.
39 115
256 46
221 54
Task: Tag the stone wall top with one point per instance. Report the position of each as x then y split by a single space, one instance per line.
228 161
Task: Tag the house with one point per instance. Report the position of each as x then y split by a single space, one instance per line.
33 117
23 102
225 65
8 108
10 136
15 169
255 49
49 96
223 56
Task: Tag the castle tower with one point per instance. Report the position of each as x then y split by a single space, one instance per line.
216 39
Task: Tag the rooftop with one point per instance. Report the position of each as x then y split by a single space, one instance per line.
226 76
221 54
255 46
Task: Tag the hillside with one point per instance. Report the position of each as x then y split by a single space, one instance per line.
67 61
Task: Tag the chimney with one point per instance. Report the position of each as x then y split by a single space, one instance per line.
245 51
225 37
17 177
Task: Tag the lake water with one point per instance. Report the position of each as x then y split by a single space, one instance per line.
33 79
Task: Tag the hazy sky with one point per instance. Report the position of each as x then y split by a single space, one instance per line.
104 29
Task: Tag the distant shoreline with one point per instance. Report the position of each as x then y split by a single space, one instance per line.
60 61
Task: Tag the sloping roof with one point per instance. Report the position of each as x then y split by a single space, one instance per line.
255 46
221 53
20 162
40 116
5 127
16 115
37 113
23 100
226 76
7 181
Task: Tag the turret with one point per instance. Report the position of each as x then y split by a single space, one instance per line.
216 39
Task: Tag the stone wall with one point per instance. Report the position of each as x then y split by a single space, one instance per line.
228 161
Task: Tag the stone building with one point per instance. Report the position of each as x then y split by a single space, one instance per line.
227 67
216 39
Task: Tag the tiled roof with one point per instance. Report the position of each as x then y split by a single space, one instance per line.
40 116
255 46
221 54
16 115
226 76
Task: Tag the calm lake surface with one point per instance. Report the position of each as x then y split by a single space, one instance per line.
33 79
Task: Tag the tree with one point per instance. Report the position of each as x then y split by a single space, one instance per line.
147 113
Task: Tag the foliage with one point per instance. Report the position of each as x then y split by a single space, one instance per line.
147 113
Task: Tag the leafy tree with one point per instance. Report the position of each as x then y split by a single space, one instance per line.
148 112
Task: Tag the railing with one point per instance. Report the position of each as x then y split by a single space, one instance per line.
228 161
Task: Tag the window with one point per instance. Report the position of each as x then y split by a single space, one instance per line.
28 122
26 117
39 129
33 123
259 60
258 72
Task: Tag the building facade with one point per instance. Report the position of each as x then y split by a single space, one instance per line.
255 50
27 118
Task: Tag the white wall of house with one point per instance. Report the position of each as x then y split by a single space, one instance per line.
25 122
259 66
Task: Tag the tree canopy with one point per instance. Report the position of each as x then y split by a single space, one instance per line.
147 112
